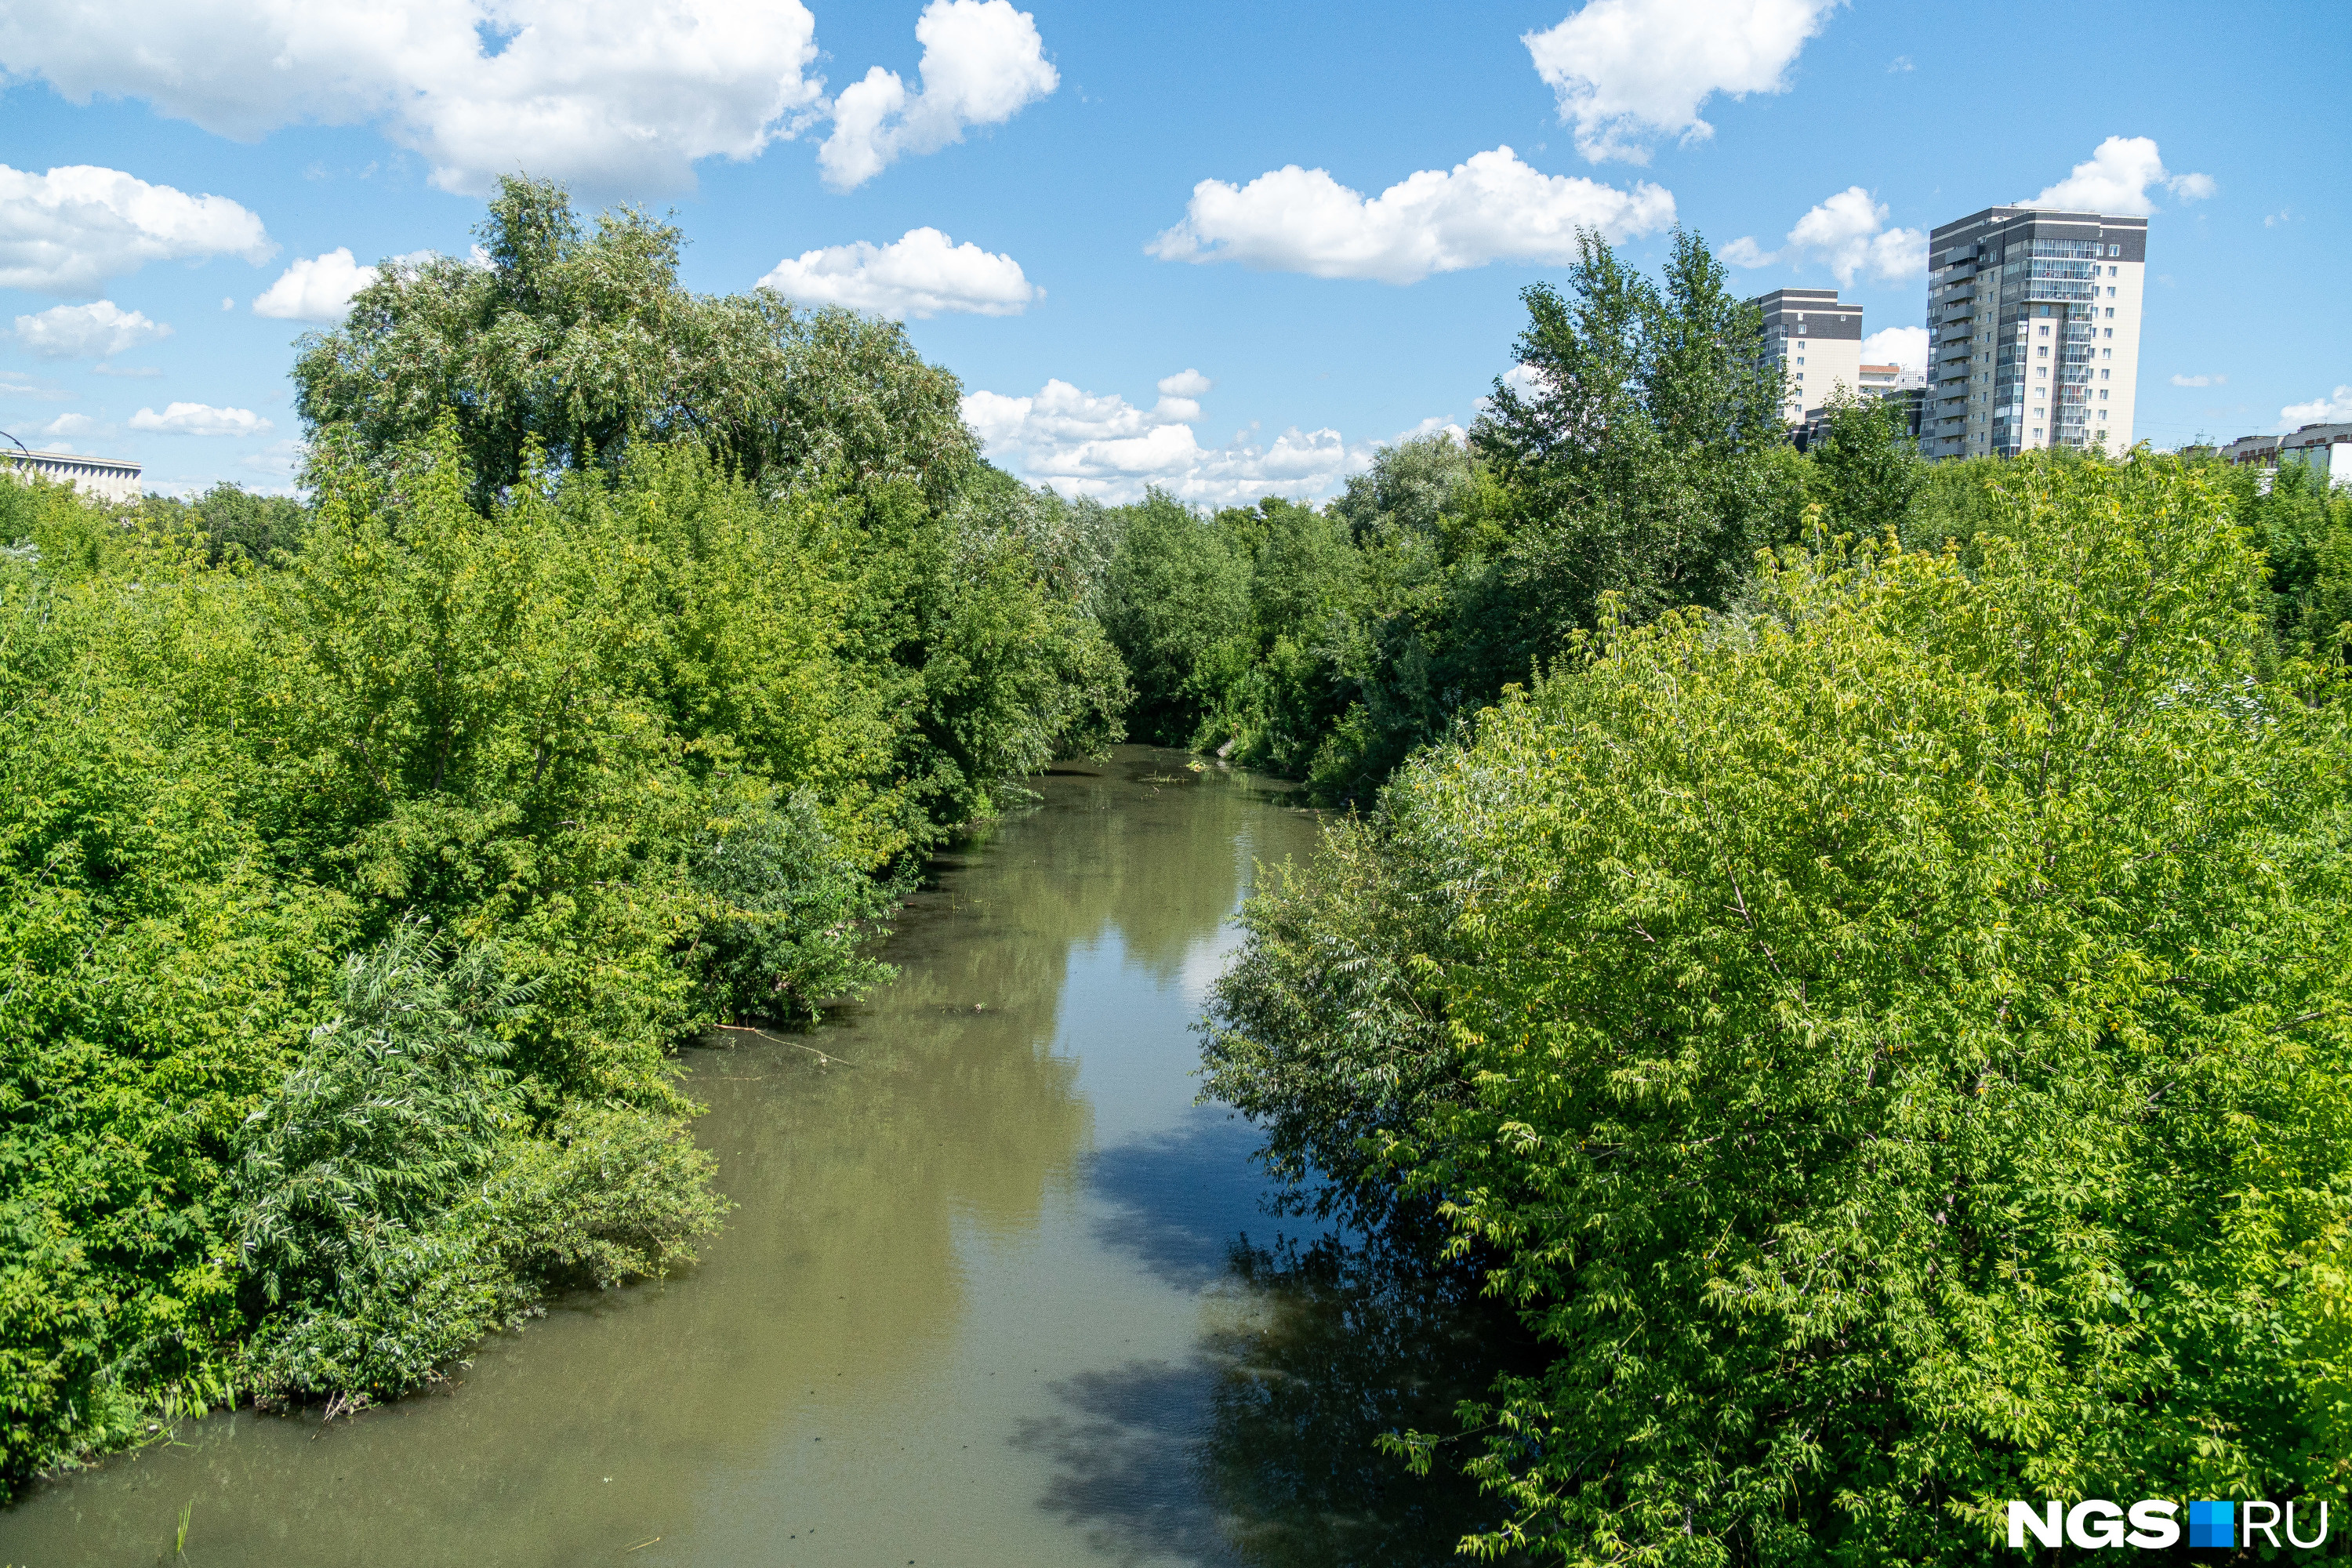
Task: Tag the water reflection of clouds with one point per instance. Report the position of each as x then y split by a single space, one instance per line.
1203 961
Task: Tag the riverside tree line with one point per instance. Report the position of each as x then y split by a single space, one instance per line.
1848 952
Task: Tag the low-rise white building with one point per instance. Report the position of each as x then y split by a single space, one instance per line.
2326 447
109 479
2252 451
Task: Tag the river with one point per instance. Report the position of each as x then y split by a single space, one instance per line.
996 1291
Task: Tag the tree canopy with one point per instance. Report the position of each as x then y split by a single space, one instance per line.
580 341
1891 1043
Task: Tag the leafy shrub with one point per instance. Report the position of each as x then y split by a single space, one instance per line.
350 1173
793 915
394 1202
609 1193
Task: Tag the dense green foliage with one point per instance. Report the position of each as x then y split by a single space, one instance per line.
1846 949
576 344
362 860
1636 454
1889 1043
1634 457
1231 625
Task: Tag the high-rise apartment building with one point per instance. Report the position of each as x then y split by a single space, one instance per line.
1816 341
2033 332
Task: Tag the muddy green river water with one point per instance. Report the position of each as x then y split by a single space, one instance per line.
996 1291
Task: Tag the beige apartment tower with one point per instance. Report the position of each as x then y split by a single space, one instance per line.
2033 332
1817 343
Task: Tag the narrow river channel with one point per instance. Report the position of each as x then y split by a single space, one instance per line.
995 1292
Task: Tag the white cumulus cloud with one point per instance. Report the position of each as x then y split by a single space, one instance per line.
201 419
1083 443
982 62
1905 346
922 273
87 331
1744 252
616 96
2319 410
1630 71
1435 425
1849 232
2115 179
1491 208
315 288
2200 380
70 230
71 425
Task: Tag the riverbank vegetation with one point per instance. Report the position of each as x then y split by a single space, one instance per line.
364 858
1882 1025
1848 950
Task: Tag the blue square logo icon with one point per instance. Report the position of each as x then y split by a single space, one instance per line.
2213 1524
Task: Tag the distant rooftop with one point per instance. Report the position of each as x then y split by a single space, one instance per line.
115 478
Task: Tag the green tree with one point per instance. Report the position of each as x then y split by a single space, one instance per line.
1306 597
656 739
578 344
1636 454
2304 527
1177 605
262 528
1890 1045
1636 451
1412 488
1866 469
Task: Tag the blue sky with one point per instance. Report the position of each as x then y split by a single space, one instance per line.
1113 324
